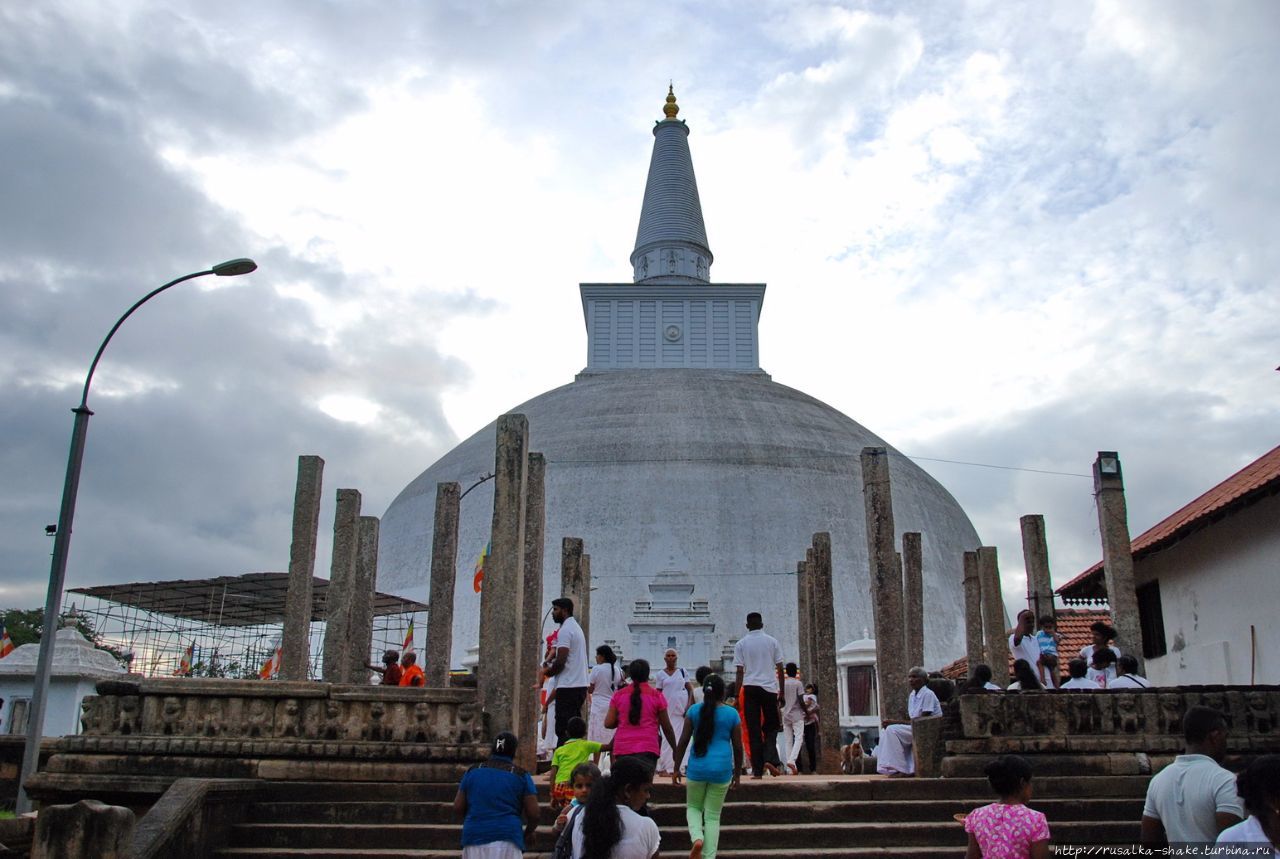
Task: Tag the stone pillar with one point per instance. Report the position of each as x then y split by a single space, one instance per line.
811 645
295 638
1117 554
996 633
973 645
913 596
444 573
337 604
824 673
804 656
501 599
1035 554
571 584
363 586
886 585
582 609
530 648
88 828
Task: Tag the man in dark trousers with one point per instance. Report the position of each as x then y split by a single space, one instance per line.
759 659
568 666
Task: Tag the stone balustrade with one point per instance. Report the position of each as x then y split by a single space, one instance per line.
1105 732
289 711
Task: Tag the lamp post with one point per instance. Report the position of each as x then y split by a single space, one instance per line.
62 537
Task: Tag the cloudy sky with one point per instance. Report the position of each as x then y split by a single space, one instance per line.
1000 233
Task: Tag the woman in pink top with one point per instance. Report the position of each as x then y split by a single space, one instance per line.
1008 829
638 712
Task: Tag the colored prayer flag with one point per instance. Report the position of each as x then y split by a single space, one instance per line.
478 581
271 667
407 647
6 643
184 664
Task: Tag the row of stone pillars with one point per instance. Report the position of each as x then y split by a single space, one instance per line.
353 575
896 582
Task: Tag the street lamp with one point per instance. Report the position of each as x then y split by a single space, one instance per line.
62 536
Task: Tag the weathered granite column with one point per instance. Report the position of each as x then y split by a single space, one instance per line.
804 655
886 584
973 644
1117 554
824 672
1035 554
996 633
811 644
87 829
582 607
363 585
337 604
444 561
535 522
571 579
913 596
501 600
295 638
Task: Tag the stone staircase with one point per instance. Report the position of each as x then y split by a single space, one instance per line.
846 817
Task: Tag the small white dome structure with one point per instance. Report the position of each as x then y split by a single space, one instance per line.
673 450
77 667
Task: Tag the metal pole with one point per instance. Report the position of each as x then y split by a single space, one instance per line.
62 541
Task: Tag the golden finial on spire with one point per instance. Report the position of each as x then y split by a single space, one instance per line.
670 109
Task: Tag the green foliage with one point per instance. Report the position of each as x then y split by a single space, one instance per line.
26 626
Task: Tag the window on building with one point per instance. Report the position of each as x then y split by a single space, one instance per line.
671 642
861 696
1151 619
18 715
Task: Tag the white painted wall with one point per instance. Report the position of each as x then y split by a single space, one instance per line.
1213 585
61 716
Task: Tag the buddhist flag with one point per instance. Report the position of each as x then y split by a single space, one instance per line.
184 664
271 667
6 643
478 581
407 647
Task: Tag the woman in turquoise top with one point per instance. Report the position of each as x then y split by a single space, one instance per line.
714 764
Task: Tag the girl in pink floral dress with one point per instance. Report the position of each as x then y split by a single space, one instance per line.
1008 829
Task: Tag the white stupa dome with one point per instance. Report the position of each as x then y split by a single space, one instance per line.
674 452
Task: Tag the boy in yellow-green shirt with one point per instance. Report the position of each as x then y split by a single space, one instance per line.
573 751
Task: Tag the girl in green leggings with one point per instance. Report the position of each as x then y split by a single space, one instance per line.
714 764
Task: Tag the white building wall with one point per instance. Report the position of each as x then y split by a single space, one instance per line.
1213 585
61 715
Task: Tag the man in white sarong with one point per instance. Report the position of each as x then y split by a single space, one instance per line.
676 685
893 756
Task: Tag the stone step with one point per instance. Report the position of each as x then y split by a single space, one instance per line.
819 853
754 837
797 789
672 814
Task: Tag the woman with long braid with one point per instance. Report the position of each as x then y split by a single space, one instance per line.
645 710
714 764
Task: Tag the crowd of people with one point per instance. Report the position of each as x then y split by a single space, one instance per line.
709 733
610 732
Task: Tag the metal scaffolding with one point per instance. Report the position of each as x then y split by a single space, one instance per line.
228 626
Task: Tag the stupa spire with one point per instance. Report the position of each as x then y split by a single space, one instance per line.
671 242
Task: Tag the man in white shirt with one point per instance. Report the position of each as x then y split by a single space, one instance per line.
1193 799
1077 668
568 667
1127 676
1023 643
794 711
894 754
759 659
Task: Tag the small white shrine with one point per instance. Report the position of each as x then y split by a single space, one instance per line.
77 667
672 617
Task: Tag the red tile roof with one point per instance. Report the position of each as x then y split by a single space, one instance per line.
1073 629
1255 481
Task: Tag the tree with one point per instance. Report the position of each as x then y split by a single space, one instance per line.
27 627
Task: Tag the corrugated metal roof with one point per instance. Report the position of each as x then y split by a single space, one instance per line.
247 600
1256 480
